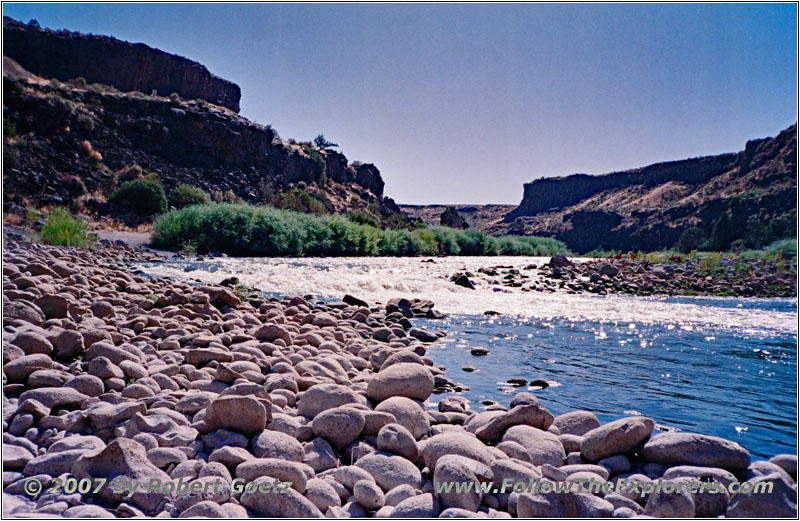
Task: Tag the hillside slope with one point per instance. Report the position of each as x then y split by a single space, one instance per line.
66 142
479 216
650 208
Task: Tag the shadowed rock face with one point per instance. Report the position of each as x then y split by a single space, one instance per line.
184 141
101 59
649 208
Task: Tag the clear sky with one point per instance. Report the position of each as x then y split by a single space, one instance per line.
465 103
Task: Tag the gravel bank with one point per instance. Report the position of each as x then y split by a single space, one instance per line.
112 375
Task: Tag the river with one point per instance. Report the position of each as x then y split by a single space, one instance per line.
719 366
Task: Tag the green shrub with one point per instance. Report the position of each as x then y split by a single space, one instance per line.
143 197
722 233
320 167
321 142
187 195
691 238
783 247
245 230
301 201
362 218
63 229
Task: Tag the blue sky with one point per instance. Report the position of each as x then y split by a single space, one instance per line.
465 103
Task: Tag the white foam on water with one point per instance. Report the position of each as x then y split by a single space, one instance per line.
378 279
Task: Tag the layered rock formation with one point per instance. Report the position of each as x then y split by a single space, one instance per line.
127 66
68 141
649 208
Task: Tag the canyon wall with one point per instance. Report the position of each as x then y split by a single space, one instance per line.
127 66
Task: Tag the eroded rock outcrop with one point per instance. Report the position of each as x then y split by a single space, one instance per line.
101 59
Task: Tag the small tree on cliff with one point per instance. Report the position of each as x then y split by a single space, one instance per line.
321 142
451 218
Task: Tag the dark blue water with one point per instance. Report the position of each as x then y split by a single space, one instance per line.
716 381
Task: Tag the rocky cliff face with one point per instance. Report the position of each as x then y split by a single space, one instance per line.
650 208
68 141
100 59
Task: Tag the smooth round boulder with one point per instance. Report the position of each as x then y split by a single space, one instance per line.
32 343
274 444
577 423
542 446
616 437
368 494
686 448
340 426
237 413
454 443
322 397
398 440
413 381
408 413
261 499
390 471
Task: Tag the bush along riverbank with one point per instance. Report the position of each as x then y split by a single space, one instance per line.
751 274
256 231
109 375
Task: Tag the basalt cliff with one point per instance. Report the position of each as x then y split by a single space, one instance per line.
79 109
749 196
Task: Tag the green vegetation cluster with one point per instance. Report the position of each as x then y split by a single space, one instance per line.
144 197
63 229
246 230
187 195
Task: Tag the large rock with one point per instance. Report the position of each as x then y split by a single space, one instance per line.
53 306
237 413
124 461
676 503
562 504
322 397
454 443
617 437
340 426
288 471
32 343
779 501
18 370
55 397
390 470
410 380
788 462
422 506
543 447
700 473
408 413
274 444
271 332
532 415
398 440
368 494
322 494
459 470
576 422
23 311
290 503
15 457
514 472
685 448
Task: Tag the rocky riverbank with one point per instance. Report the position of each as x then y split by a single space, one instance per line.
108 374
712 275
